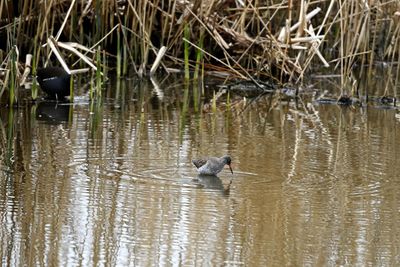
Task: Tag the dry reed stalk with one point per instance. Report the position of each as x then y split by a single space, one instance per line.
27 70
53 45
79 54
65 20
158 59
213 28
315 46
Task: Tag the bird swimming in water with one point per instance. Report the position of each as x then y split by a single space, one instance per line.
212 165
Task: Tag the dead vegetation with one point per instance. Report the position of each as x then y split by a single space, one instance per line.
279 40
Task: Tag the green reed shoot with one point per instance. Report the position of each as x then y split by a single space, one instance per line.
91 88
98 73
186 50
34 88
125 55
228 100
13 76
199 55
71 89
119 53
105 68
214 103
196 97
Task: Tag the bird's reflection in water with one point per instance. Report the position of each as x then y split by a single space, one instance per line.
212 182
52 112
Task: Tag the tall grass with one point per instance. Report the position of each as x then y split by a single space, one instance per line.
246 39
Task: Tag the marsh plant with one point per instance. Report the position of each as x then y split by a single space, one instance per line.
278 40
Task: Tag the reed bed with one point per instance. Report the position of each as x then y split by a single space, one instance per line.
279 40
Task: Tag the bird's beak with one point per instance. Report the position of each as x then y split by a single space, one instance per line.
230 168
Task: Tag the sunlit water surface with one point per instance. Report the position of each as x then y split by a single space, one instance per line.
112 184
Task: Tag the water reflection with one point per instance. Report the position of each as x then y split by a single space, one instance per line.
52 112
313 184
213 182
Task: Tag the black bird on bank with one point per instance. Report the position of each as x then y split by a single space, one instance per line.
54 81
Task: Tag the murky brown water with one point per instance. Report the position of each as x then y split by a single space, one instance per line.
111 184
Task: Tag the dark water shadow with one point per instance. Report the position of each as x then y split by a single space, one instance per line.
52 112
376 85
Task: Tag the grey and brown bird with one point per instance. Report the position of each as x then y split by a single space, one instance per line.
212 165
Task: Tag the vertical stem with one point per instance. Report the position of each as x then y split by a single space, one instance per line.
196 97
186 51
125 53
10 138
105 70
183 113
91 87
71 89
214 103
119 52
199 55
98 73
13 77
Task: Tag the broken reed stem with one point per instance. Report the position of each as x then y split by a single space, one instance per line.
158 59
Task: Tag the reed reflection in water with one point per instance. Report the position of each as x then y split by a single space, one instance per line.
113 184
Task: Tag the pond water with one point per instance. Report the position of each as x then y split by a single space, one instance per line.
111 183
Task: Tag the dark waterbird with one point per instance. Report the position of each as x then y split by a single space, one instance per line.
212 165
54 81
